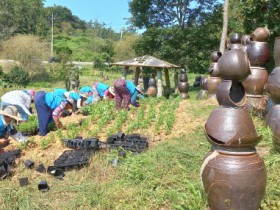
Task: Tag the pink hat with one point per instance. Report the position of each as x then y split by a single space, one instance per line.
32 92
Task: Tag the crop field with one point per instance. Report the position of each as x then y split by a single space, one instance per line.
165 176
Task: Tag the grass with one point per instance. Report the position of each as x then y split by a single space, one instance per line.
166 176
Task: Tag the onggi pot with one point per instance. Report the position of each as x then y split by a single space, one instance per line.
260 34
255 82
273 85
273 116
276 51
231 94
258 53
212 85
231 128
234 65
234 180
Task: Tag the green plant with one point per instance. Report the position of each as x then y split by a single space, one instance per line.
18 76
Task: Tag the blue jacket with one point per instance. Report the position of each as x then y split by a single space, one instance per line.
131 87
101 87
52 100
4 129
59 91
86 89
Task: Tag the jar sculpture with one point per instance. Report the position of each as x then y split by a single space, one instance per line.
233 174
152 90
183 84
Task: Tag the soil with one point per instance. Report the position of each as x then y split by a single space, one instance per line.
186 122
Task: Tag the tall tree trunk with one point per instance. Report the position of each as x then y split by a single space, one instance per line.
225 26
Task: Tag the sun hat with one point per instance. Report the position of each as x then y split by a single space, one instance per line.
140 89
112 90
12 112
84 95
73 103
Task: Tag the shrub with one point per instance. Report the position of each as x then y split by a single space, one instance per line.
18 76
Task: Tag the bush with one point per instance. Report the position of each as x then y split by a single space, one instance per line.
18 76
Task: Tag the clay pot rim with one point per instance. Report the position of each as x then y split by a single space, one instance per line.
233 152
254 41
258 68
229 143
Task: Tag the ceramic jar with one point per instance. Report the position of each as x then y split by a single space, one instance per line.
235 38
273 85
276 137
255 82
234 65
231 94
215 55
258 53
273 116
231 128
212 85
260 34
234 180
276 51
213 70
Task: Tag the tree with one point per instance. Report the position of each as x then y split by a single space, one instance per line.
225 26
160 14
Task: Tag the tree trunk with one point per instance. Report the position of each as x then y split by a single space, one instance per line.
225 26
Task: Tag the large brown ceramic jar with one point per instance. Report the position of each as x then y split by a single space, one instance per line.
212 85
234 180
213 70
152 90
203 83
258 53
273 116
273 85
245 39
183 76
255 82
276 137
231 128
235 38
231 94
215 55
276 51
261 34
184 89
234 65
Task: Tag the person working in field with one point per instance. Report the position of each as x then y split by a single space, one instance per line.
80 99
126 92
49 107
102 91
21 99
87 91
7 116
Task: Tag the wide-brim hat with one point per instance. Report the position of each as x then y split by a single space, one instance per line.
112 90
84 95
140 89
12 112
73 103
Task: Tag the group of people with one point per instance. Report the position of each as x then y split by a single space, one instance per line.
16 105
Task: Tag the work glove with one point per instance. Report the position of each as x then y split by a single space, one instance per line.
19 137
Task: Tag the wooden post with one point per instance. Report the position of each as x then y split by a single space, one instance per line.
167 81
159 82
136 75
125 70
176 81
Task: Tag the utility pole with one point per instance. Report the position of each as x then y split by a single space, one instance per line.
52 38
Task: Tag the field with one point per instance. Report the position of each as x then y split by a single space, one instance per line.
166 176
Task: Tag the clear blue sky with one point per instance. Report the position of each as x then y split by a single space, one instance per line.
110 12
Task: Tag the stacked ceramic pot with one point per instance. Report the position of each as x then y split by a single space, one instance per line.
214 79
233 174
273 88
152 89
183 84
258 53
203 92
